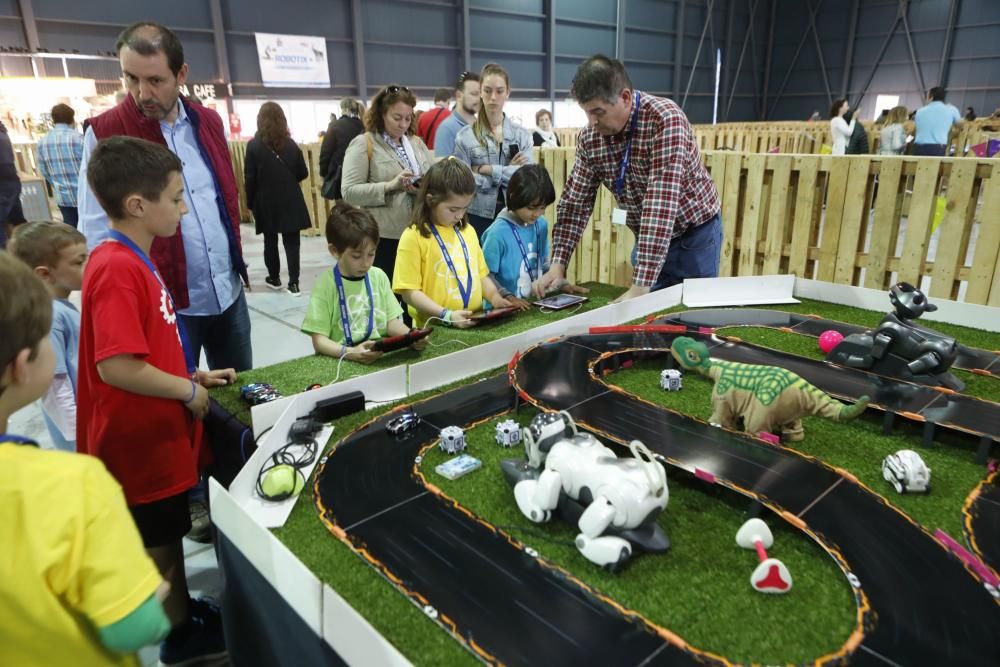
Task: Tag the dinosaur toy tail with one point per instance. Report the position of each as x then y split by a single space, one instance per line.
852 411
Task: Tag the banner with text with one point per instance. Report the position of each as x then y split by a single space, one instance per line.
292 61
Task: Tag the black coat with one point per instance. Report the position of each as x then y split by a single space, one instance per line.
272 184
335 141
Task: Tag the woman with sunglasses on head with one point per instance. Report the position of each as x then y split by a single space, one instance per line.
494 147
383 166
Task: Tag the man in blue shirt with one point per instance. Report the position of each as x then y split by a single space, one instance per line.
467 103
59 155
934 123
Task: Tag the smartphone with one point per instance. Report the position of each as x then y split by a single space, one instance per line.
512 150
416 183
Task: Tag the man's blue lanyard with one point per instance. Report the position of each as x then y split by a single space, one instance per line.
16 439
345 319
524 253
137 251
620 181
466 292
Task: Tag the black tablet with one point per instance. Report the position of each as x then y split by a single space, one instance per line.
560 301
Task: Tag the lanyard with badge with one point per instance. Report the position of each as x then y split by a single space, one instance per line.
10 438
618 216
345 320
524 253
137 251
465 291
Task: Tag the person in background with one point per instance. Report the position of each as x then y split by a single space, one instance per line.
383 166
934 123
202 264
429 121
642 148
57 254
892 137
858 143
272 170
467 103
60 153
840 129
10 189
76 585
544 135
494 147
814 116
882 117
970 114
334 146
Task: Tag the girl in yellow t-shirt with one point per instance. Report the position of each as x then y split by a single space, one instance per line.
440 270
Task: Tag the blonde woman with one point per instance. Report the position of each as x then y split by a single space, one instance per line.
892 138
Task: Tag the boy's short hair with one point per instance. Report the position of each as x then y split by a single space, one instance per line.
349 227
123 166
528 186
39 243
63 113
25 310
443 95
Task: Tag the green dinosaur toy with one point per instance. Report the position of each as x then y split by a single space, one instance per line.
766 398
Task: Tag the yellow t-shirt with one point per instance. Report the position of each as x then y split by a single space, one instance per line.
420 265
72 560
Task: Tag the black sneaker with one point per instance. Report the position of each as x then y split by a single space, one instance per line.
273 283
293 289
199 641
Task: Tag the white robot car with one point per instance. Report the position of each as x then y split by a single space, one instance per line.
907 472
618 496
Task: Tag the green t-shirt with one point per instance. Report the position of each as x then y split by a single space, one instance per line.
323 316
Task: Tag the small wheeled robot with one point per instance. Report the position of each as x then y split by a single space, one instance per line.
899 347
403 423
670 379
907 472
614 502
508 433
452 440
258 393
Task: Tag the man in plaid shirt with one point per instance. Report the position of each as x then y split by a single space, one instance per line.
643 149
59 155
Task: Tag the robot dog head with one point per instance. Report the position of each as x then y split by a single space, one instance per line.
690 354
545 431
909 302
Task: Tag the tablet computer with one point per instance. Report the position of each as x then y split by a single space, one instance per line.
399 342
495 314
560 301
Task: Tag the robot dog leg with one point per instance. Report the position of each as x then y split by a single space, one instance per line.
536 498
605 550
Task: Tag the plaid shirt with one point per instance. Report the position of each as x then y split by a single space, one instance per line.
59 155
667 189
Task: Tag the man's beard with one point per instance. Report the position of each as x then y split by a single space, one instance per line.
160 113
466 109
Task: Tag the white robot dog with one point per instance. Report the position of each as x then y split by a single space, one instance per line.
615 502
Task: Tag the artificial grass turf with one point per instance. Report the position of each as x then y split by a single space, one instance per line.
292 377
817 627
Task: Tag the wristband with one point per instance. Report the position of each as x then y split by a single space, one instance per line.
194 391
446 316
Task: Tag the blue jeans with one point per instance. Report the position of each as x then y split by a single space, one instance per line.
694 254
225 337
938 150
70 214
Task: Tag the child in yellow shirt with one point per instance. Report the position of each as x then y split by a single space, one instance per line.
440 269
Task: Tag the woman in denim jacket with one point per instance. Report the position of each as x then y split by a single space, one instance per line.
494 147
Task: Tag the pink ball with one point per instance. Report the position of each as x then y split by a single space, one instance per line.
829 340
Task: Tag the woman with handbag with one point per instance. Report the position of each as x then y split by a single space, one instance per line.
273 168
383 166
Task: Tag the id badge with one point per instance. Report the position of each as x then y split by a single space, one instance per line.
619 216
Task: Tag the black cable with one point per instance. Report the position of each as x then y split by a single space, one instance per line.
285 455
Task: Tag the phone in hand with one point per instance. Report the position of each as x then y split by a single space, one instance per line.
512 150
415 183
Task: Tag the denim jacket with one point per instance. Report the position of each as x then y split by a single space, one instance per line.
470 151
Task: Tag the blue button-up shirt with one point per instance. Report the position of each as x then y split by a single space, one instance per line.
59 155
213 285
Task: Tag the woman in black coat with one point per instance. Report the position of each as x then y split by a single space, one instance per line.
272 170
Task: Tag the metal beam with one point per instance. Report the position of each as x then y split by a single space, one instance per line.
878 60
754 70
358 24
219 38
620 30
466 41
852 32
727 47
949 37
31 35
819 49
678 50
767 63
697 53
550 47
739 66
904 9
791 66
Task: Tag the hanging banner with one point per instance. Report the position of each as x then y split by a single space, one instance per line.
292 61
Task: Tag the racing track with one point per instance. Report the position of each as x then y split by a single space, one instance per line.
918 605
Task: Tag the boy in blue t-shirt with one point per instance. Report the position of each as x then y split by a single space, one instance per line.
516 245
57 253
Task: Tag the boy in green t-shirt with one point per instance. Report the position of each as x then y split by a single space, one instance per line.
353 305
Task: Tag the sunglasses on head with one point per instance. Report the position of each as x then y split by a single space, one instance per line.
392 90
465 76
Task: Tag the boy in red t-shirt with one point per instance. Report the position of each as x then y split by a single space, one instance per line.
140 399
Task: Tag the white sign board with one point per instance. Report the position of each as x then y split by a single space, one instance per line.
292 61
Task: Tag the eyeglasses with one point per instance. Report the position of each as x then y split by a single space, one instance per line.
392 90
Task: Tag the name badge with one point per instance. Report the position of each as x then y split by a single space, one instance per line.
619 216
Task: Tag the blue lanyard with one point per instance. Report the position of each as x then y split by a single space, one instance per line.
620 181
345 320
524 253
185 344
16 440
467 291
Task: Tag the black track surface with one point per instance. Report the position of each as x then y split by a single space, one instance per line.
926 608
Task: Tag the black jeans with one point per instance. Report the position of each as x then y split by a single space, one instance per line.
273 262
938 150
70 214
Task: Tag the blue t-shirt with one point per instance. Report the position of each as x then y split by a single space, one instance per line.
65 338
444 138
504 258
934 122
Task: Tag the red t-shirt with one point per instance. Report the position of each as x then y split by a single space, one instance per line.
428 126
148 444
